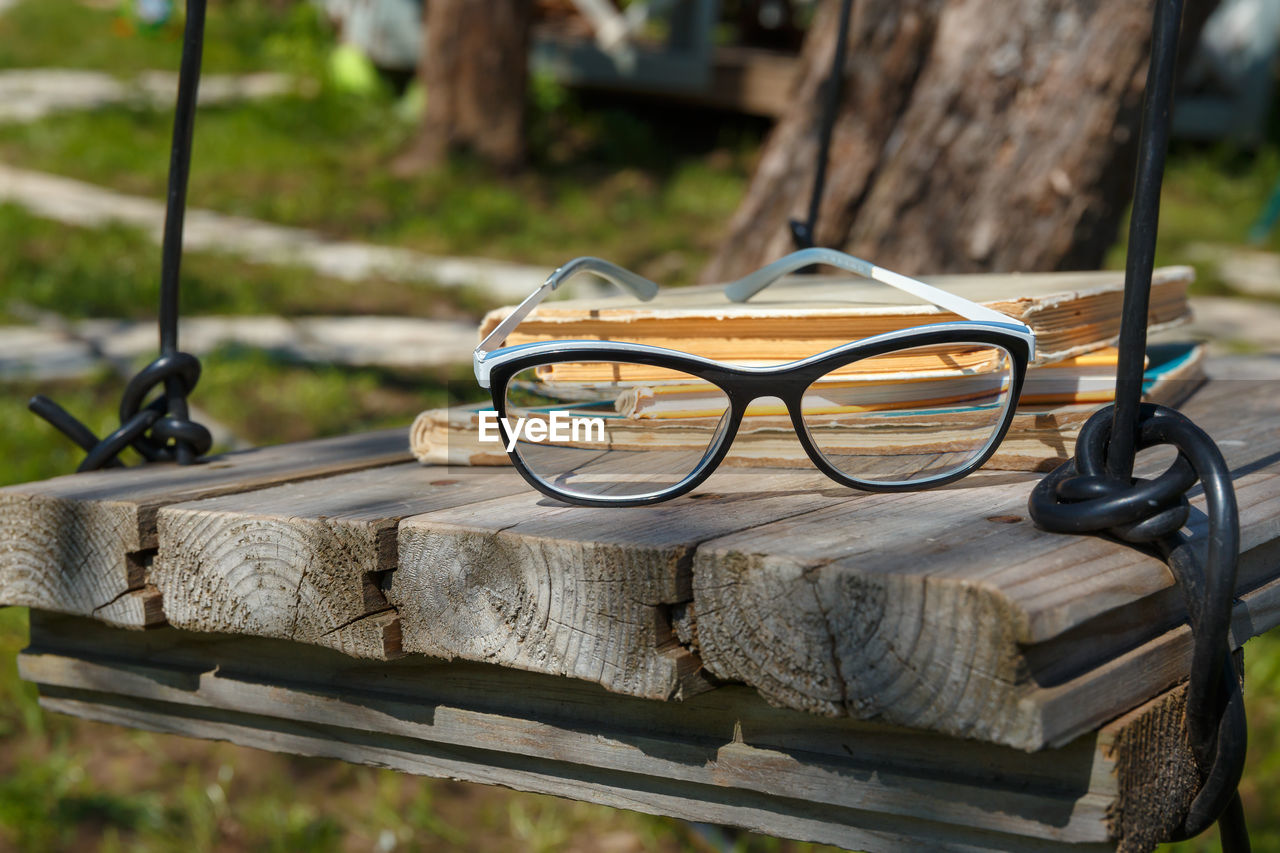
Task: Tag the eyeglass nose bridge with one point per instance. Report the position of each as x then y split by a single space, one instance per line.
789 391
786 389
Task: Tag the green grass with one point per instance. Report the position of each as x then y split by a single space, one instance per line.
263 398
114 272
240 36
266 399
1211 195
653 195
646 186
31 449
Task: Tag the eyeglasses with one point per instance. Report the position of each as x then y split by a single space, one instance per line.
602 423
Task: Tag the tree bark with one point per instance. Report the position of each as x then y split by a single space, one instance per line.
474 70
972 136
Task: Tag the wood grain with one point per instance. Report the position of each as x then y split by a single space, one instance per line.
944 610
949 610
304 561
591 593
1155 768
724 756
83 543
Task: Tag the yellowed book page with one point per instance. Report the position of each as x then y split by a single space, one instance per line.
1072 313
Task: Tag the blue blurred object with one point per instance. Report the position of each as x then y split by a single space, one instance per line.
1227 89
388 32
1261 229
153 14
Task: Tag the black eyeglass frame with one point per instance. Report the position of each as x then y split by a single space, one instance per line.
742 385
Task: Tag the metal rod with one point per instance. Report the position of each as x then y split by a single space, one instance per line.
834 90
176 203
804 234
1153 145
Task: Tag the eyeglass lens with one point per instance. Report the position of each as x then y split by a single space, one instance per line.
615 429
911 415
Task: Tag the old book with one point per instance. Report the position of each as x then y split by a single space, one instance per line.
1041 436
1071 313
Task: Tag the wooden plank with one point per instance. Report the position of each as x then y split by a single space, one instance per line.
951 611
598 594
725 756
1054 713
1154 768
82 543
943 610
752 80
796 819
304 561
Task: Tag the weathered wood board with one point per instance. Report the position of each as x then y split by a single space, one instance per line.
944 610
83 543
304 560
950 610
725 756
887 627
947 610
595 594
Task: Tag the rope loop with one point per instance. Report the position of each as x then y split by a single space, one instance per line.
1079 497
155 429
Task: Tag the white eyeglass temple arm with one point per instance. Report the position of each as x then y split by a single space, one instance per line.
748 286
639 286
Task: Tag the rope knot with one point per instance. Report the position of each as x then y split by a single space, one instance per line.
1081 497
155 429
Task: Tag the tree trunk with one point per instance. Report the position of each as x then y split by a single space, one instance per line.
972 136
474 70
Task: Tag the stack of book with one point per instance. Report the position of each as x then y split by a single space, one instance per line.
1076 318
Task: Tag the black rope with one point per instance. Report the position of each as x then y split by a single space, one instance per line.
803 233
1144 220
1096 492
162 429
